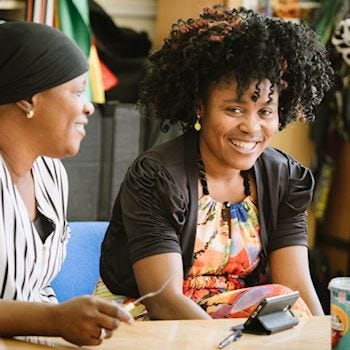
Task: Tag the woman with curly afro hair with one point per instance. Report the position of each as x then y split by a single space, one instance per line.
209 211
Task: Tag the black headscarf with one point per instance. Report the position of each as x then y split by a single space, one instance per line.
35 57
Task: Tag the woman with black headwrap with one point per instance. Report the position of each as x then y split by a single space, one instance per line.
43 112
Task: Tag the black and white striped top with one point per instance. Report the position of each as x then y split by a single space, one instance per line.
27 265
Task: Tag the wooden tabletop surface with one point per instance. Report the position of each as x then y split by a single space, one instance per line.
312 333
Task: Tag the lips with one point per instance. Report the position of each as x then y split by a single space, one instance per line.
80 127
244 145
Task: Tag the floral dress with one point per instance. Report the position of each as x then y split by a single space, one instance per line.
227 248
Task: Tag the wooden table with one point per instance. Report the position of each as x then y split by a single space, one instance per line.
312 333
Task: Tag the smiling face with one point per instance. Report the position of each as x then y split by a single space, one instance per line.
236 129
60 116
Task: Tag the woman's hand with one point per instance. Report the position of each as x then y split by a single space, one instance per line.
80 320
290 267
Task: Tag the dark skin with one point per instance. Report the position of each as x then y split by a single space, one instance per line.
188 77
235 131
78 320
22 140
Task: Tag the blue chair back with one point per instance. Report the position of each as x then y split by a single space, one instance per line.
80 270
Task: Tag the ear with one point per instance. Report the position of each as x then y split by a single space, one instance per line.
25 105
200 109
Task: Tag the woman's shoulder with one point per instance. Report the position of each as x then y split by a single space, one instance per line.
168 152
162 166
283 168
279 160
166 156
273 154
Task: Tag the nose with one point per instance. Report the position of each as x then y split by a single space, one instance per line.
89 108
250 124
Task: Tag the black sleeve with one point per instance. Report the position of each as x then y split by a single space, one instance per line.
153 210
291 225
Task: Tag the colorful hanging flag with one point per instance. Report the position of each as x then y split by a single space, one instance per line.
72 17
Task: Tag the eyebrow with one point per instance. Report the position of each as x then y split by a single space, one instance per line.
234 100
237 100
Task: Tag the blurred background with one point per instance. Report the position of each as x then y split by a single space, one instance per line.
118 35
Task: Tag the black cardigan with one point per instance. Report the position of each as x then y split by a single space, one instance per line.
156 209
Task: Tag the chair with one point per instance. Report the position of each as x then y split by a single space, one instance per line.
80 270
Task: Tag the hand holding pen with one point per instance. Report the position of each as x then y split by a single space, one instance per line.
231 338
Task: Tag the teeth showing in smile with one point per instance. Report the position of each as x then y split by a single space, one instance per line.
80 126
243 145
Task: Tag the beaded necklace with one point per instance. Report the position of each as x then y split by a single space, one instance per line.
204 182
227 210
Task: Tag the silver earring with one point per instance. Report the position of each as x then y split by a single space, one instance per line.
29 113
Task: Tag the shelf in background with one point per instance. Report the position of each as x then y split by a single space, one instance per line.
12 4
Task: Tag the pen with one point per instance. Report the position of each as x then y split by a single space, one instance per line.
237 327
231 338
